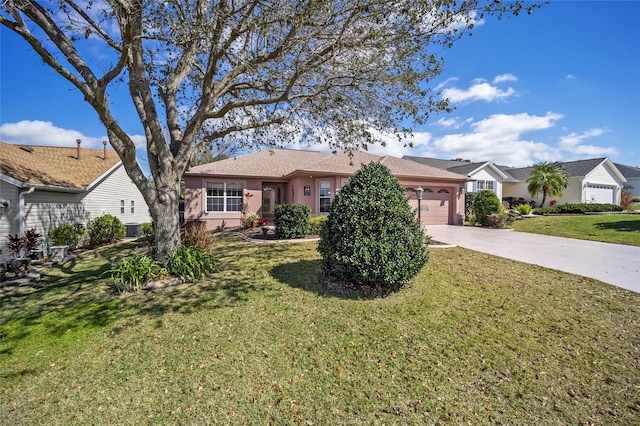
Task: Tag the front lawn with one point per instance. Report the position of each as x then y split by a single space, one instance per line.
474 339
609 228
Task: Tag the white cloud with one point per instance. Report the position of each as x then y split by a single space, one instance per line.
37 132
454 122
573 139
498 138
504 77
570 77
444 83
44 133
478 92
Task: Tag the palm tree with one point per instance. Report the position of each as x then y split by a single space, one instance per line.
548 178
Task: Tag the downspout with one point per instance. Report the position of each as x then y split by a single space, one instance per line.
21 209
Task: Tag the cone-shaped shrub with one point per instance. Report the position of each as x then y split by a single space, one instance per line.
372 237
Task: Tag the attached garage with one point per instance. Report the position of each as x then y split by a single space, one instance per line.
435 206
600 194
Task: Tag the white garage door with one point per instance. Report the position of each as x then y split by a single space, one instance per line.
434 206
601 194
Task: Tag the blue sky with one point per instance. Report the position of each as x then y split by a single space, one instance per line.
558 85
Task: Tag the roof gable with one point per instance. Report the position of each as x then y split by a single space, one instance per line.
55 166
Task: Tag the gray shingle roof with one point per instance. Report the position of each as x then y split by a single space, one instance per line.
629 172
579 168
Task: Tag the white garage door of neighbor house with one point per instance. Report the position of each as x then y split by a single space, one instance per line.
434 207
601 194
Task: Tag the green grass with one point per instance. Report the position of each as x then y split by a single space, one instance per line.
614 228
474 339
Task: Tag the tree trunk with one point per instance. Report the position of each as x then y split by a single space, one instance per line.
164 211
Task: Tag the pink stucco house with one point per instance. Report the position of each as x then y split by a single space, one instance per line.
215 192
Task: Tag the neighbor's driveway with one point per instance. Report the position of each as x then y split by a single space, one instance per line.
611 263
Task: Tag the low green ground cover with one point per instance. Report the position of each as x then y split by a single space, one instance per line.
473 339
608 228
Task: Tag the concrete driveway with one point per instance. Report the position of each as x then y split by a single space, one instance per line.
611 263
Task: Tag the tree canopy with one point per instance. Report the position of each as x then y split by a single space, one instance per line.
548 179
254 72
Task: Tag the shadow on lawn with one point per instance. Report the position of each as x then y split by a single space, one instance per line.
302 275
78 296
623 225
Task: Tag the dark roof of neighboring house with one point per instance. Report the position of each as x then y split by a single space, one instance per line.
281 163
579 168
629 172
55 166
439 163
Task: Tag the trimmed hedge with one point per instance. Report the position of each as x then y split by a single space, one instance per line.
316 224
578 209
292 220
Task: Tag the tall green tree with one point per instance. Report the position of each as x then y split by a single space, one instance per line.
548 179
254 72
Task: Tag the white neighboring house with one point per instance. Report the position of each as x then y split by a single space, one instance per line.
632 174
43 187
485 175
595 180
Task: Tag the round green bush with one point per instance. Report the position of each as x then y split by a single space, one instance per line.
372 238
485 203
105 229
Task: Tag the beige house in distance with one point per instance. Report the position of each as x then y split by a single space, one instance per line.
215 192
43 187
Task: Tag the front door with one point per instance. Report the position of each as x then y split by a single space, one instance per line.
271 196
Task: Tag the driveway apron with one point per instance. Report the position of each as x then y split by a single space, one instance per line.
611 263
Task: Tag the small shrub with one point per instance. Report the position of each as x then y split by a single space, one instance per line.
105 229
472 219
191 263
316 224
524 209
553 203
292 220
514 202
485 203
27 242
250 220
133 273
194 233
500 220
626 199
67 234
263 222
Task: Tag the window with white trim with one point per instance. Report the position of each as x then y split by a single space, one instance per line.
485 184
325 196
132 207
121 206
224 197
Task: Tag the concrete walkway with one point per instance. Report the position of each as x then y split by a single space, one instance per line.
611 263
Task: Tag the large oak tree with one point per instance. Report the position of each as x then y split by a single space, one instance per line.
248 72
